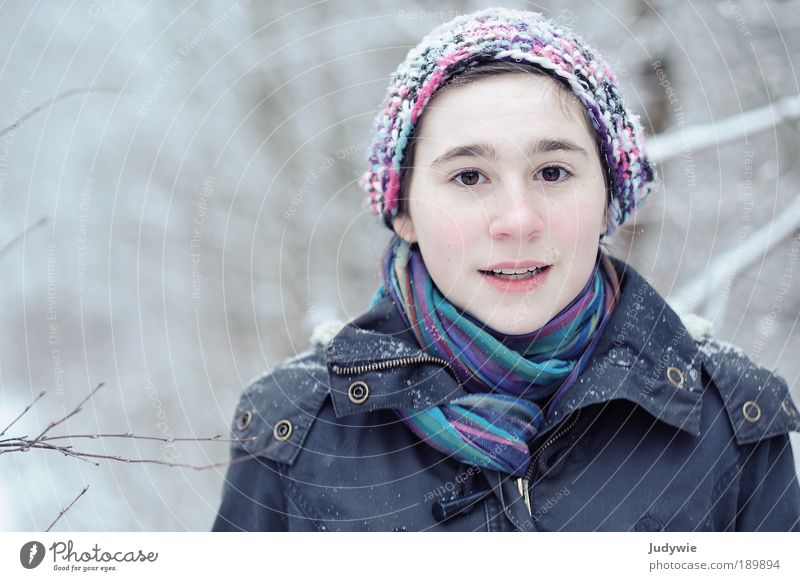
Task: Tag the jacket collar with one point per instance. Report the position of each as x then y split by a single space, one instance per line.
645 355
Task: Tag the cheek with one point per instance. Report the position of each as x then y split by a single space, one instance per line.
580 224
448 243
445 225
445 240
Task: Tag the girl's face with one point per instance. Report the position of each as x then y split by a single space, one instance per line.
506 177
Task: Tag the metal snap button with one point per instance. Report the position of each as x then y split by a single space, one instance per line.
675 376
244 420
358 392
282 430
787 410
751 411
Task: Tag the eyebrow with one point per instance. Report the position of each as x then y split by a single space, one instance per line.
486 151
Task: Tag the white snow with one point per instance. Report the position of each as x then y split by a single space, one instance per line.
698 327
324 332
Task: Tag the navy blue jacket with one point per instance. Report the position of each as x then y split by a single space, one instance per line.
666 429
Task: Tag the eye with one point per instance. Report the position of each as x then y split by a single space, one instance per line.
554 173
468 178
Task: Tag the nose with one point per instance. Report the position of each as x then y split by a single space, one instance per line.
519 214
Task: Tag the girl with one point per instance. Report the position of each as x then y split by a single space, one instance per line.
510 374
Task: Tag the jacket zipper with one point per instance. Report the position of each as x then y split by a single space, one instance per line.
523 484
391 363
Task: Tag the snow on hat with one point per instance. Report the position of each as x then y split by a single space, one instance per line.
503 34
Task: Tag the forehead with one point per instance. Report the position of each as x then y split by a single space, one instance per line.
514 105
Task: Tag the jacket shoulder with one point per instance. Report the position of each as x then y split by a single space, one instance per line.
757 400
277 409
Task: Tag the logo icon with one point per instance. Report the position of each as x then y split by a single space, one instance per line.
31 554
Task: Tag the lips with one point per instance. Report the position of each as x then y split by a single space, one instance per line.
516 265
514 273
517 277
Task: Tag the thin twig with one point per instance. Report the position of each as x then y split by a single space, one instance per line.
14 241
69 415
24 445
43 441
66 450
145 461
84 455
52 102
216 438
24 441
30 405
60 514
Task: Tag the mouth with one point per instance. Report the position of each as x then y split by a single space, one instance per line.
517 280
516 273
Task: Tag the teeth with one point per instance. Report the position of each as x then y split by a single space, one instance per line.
515 273
516 270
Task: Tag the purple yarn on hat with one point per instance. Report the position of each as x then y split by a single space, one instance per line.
520 37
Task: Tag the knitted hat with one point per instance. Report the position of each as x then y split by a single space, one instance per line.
500 34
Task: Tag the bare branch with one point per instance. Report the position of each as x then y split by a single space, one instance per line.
65 418
60 514
53 101
727 266
702 135
216 438
30 405
14 241
67 450
145 461
43 441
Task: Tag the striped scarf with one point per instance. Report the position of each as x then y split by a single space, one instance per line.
509 378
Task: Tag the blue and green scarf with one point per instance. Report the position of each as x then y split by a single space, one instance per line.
510 379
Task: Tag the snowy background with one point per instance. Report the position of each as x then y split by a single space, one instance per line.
195 166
